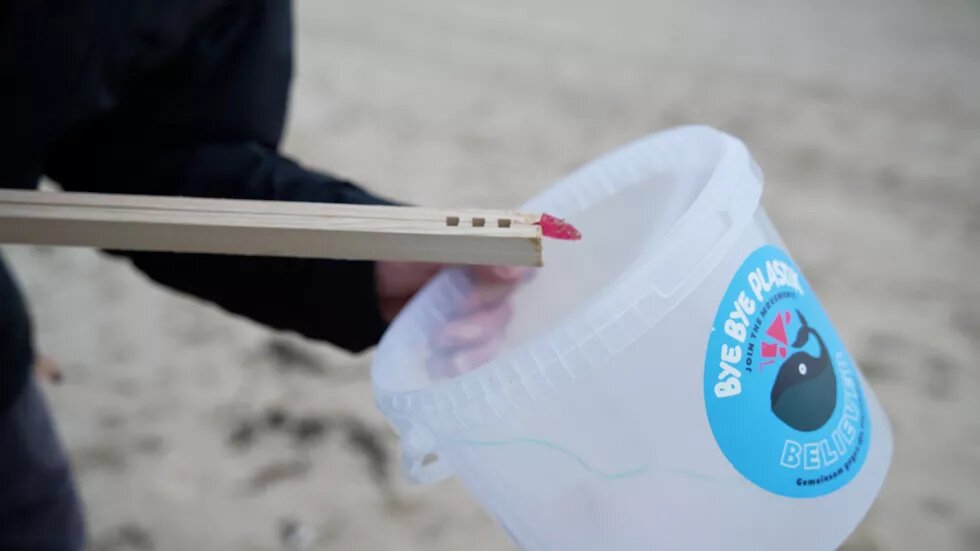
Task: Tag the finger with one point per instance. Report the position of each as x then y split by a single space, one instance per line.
492 285
482 296
398 279
469 359
464 360
500 274
474 328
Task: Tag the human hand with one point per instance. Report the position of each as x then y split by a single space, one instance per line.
472 336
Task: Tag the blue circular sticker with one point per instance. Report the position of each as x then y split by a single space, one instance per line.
782 394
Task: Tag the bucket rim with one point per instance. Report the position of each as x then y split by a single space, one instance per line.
588 338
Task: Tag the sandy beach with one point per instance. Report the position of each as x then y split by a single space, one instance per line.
191 429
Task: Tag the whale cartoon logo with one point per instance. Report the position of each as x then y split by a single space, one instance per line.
782 396
804 394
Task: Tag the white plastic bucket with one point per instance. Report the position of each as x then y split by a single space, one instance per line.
670 381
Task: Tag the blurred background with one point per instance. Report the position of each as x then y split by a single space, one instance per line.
190 429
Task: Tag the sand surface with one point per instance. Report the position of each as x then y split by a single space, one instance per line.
190 429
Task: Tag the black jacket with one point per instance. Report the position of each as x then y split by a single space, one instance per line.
171 97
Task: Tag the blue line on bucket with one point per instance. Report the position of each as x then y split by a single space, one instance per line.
551 446
629 473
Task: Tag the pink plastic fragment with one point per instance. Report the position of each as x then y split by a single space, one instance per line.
556 228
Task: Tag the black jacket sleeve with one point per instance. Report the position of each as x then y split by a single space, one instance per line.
190 100
324 299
